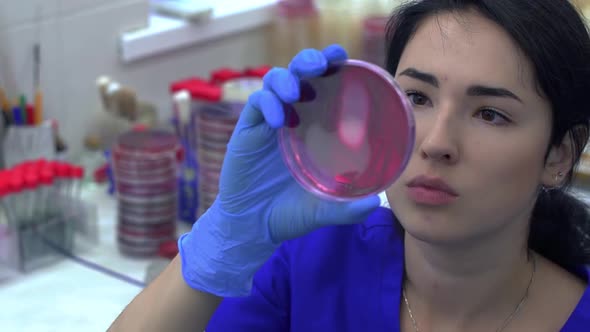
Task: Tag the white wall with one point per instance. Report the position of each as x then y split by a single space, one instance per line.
79 43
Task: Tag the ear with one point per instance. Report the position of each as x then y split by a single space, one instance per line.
558 163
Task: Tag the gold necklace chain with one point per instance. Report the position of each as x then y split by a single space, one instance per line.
506 321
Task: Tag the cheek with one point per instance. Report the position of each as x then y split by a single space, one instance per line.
503 166
501 181
514 160
396 194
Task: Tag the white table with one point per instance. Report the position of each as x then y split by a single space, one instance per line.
68 296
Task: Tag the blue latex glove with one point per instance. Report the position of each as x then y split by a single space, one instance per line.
259 204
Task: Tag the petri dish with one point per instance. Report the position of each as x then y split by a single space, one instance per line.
351 134
152 141
129 217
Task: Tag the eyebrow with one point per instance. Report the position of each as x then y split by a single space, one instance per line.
479 90
421 76
475 90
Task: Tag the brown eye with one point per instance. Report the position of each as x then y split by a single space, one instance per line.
492 116
417 98
488 115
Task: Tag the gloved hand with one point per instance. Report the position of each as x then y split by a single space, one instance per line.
259 204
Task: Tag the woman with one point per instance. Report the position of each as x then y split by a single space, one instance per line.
483 236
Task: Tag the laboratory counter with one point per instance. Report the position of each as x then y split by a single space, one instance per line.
75 294
81 293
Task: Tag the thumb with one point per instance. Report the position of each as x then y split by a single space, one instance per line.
338 213
296 220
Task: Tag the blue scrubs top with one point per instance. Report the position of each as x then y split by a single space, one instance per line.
337 279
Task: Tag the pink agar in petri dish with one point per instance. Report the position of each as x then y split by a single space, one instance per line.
351 134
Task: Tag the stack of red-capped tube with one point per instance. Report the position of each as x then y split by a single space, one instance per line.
36 196
197 91
38 190
145 164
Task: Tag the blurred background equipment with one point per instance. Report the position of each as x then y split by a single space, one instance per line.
357 25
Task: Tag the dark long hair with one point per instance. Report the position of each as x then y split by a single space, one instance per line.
553 36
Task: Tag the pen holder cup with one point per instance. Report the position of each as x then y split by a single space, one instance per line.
21 143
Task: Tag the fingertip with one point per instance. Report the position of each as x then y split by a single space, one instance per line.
308 63
253 99
283 83
251 114
354 212
335 53
368 203
272 109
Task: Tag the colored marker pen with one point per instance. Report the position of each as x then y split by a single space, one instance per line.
23 109
17 116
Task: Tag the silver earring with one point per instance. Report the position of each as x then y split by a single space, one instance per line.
559 175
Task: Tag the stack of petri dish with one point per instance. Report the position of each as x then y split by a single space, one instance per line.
145 166
215 126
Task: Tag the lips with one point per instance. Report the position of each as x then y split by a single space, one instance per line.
431 191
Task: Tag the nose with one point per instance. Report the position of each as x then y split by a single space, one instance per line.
440 138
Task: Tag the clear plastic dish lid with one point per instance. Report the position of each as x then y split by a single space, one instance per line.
351 134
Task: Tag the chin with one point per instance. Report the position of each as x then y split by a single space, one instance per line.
435 238
433 235
434 228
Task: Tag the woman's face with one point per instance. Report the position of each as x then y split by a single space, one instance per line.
481 127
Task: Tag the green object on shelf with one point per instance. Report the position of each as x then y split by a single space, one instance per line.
23 108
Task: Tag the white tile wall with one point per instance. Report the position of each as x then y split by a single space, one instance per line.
68 7
79 43
18 12
63 28
89 45
152 75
